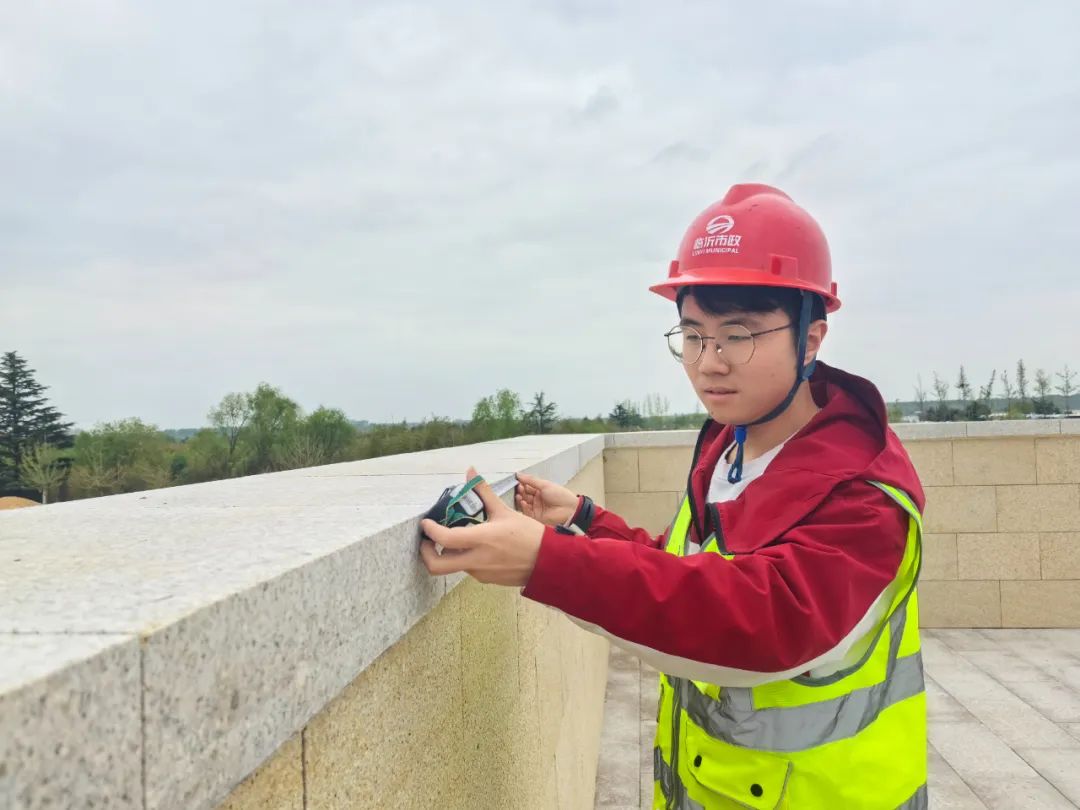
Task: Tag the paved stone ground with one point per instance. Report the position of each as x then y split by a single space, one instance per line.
1004 720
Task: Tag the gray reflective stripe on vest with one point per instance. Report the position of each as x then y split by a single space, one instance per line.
662 774
798 728
733 718
919 800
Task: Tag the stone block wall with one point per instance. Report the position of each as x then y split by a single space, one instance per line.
490 700
1003 530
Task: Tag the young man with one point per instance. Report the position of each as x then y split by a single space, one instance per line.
780 603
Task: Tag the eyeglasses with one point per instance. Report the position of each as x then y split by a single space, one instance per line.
734 343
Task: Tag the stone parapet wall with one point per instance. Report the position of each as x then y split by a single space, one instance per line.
275 642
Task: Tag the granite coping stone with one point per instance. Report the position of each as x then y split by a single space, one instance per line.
70 721
169 641
652 438
992 428
906 431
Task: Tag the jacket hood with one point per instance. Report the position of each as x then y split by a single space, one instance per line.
848 439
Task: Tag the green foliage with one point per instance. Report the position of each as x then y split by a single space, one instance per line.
123 456
273 421
385 440
229 419
626 416
205 457
498 416
44 469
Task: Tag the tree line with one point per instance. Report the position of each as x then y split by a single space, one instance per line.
248 433
1018 397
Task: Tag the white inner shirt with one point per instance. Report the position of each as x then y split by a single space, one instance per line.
720 490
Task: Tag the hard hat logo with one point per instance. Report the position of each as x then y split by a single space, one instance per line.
721 243
720 224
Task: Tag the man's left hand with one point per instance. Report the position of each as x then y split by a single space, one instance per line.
500 551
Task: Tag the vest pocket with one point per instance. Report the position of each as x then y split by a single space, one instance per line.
756 779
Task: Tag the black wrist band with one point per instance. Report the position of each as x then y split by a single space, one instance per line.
583 518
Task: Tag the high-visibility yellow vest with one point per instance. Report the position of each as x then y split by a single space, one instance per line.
853 739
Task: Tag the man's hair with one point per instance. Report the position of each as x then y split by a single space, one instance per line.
726 300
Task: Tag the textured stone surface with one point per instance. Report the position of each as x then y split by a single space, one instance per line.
961 509
278 784
1061 767
969 603
1022 793
1050 603
947 790
69 722
663 469
1012 753
933 462
994 461
1015 427
939 557
1060 555
652 511
590 481
1003 555
292 644
621 469
653 438
930 430
1042 508
136 569
403 712
1058 460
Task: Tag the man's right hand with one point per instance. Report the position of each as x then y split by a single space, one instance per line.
545 501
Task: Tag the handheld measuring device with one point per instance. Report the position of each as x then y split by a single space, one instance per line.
459 505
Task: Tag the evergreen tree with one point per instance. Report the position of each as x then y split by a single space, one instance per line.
26 420
626 415
541 416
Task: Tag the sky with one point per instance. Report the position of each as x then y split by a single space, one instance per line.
397 208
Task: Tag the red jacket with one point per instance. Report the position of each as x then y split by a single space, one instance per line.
814 544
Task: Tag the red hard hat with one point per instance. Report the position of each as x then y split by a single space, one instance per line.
756 235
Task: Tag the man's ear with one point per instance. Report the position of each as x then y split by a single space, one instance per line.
815 336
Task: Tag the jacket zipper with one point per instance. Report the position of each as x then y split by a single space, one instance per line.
677 690
718 529
690 484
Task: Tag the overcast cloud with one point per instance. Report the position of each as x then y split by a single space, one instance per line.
397 208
